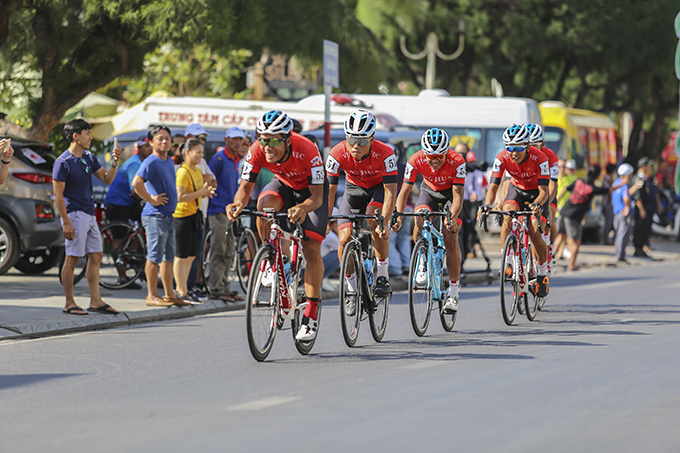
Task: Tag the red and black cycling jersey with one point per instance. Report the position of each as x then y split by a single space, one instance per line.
553 162
534 171
451 173
379 165
302 168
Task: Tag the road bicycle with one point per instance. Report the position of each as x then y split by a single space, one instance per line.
358 258
427 281
518 274
246 244
124 257
274 291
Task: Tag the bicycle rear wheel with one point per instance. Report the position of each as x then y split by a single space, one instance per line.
262 304
350 301
246 248
419 295
304 347
124 255
377 317
531 300
448 320
510 296
205 262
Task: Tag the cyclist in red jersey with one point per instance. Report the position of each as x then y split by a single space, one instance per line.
370 168
536 140
444 172
529 170
299 187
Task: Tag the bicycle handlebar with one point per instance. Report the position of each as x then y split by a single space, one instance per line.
482 221
354 217
299 231
423 213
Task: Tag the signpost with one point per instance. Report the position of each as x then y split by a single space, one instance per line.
331 79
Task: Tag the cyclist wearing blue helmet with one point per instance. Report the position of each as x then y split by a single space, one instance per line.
299 187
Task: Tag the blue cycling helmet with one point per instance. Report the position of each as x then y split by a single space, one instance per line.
535 133
435 141
516 134
274 122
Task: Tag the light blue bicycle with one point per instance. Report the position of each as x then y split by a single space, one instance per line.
427 280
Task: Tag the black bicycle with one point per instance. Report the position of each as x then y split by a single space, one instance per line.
358 259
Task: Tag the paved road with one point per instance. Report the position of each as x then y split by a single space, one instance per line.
597 371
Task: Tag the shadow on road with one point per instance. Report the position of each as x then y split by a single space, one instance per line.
21 380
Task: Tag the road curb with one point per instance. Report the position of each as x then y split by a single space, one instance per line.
102 321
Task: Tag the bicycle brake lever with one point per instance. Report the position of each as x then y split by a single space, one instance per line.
381 222
393 218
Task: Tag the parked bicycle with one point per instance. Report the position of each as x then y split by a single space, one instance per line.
274 291
358 257
124 247
427 281
518 274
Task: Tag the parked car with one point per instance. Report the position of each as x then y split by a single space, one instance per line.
30 230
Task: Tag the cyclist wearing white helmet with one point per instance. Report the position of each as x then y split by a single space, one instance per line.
444 172
529 170
536 140
370 168
299 187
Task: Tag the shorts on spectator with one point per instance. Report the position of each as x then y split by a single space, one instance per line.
185 234
572 228
160 238
87 238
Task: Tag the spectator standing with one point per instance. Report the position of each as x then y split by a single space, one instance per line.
177 140
607 209
641 193
567 175
621 208
188 218
224 165
7 152
573 211
474 192
122 204
155 184
72 181
195 282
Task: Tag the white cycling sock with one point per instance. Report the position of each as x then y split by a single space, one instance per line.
454 287
546 239
543 268
382 268
351 281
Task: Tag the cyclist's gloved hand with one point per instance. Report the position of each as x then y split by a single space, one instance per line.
297 214
483 211
233 211
396 224
536 208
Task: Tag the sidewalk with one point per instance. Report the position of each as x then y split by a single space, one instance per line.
31 306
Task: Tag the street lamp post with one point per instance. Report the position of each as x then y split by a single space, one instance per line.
432 52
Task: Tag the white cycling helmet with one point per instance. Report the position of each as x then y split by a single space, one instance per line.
274 122
435 141
516 134
360 124
535 133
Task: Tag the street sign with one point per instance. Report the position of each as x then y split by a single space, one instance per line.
331 75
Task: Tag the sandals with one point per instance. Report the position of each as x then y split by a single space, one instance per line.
73 310
105 309
236 296
224 297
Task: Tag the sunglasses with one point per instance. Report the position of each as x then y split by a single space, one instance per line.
271 142
177 144
85 165
354 140
434 156
516 149
202 137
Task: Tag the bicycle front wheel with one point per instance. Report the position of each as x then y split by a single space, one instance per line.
246 248
350 298
419 296
124 255
510 296
262 304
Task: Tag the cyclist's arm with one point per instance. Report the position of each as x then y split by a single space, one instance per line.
315 199
390 198
457 201
243 193
404 193
332 190
542 195
491 193
552 189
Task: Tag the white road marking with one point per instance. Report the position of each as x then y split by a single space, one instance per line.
264 403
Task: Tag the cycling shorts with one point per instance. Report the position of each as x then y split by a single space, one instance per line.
360 198
315 222
432 200
523 198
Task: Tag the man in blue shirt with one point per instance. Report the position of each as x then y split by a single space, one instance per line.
621 208
120 202
72 182
224 165
155 184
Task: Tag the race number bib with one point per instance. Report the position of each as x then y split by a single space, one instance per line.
391 164
317 175
496 166
245 173
461 171
554 172
407 172
545 170
332 166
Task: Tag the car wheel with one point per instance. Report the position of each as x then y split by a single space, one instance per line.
35 262
9 246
